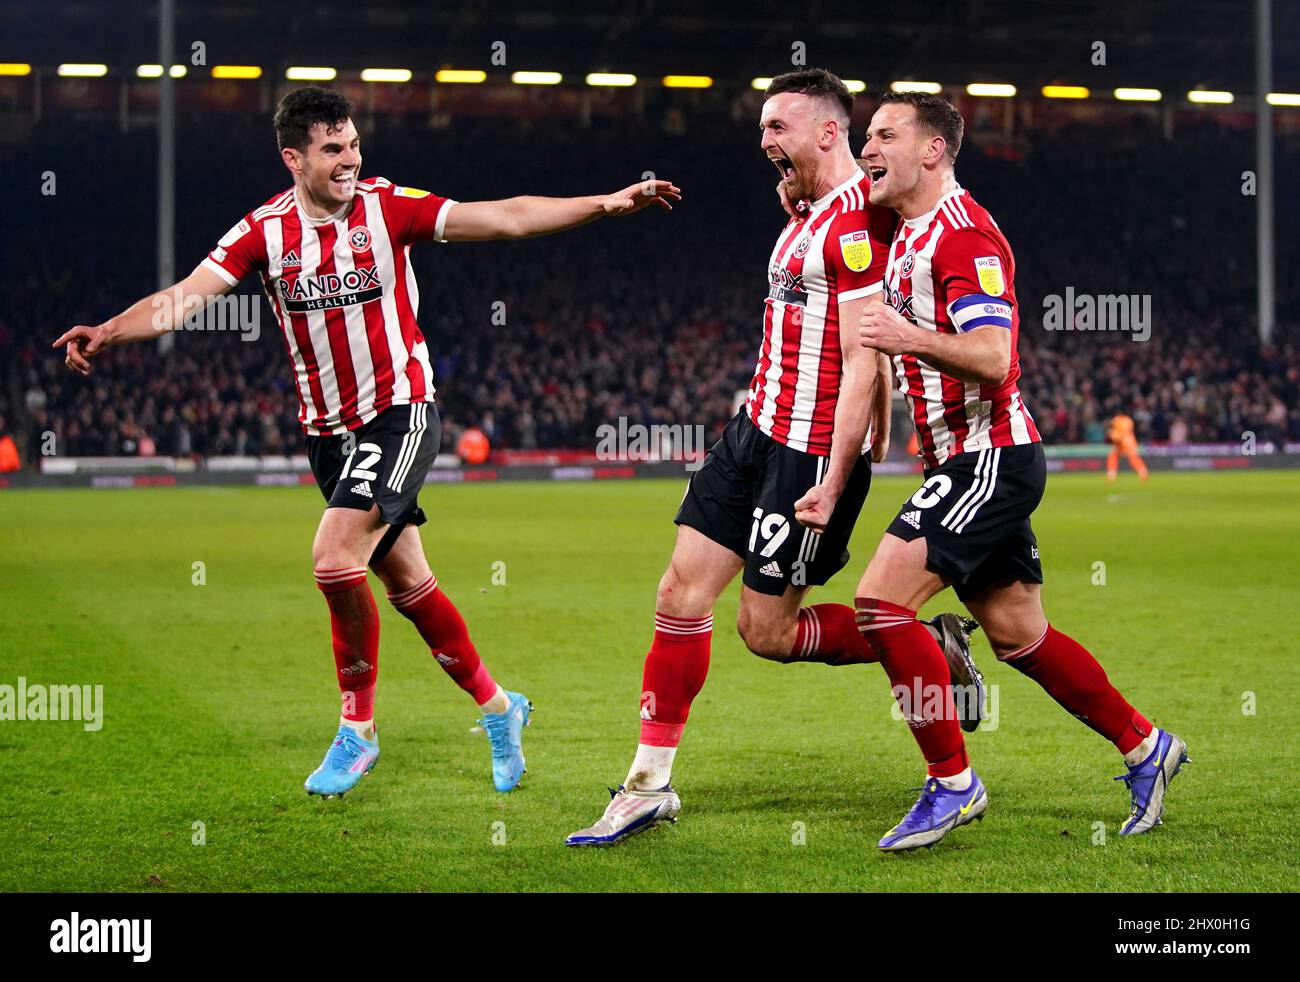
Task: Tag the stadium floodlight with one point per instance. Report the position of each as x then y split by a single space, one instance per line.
995 90
1138 95
1283 98
236 71
1066 91
617 79
855 85
14 68
300 73
1210 96
70 70
761 83
385 74
464 76
934 88
687 81
155 71
536 78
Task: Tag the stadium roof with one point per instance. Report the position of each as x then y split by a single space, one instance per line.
1174 44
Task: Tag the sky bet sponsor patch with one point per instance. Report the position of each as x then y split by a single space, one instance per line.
989 271
855 247
411 192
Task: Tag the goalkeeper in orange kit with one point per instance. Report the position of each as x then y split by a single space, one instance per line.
1120 433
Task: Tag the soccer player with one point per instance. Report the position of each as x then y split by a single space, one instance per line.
950 324
333 253
817 410
1123 440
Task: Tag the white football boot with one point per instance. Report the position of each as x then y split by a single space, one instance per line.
628 813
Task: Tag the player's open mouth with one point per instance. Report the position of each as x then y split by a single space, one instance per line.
877 173
784 167
344 182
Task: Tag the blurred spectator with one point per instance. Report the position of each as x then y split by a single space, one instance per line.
9 460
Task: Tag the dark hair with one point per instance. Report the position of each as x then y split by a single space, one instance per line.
936 114
303 108
814 82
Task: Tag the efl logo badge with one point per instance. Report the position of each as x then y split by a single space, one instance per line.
855 247
801 249
989 271
359 239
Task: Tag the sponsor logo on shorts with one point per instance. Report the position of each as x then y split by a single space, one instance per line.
912 518
363 489
772 569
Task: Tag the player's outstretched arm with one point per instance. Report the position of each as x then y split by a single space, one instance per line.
853 412
528 215
148 317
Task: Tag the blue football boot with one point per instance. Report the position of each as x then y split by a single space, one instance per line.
505 733
1149 780
936 813
349 759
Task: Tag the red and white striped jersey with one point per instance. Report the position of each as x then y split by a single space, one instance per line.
834 254
951 270
344 293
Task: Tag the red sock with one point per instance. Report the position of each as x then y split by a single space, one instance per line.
674 674
1077 681
829 633
444 631
354 621
921 682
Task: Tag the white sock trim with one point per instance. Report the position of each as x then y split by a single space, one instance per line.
958 782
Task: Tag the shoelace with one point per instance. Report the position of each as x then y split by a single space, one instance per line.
924 803
1128 779
498 736
343 751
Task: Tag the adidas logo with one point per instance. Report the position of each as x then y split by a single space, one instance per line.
912 518
290 259
772 569
363 489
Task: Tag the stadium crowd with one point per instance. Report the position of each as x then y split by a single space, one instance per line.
657 319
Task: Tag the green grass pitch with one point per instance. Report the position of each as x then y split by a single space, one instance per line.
220 698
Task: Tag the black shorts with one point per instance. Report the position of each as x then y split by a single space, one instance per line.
973 512
743 496
389 460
